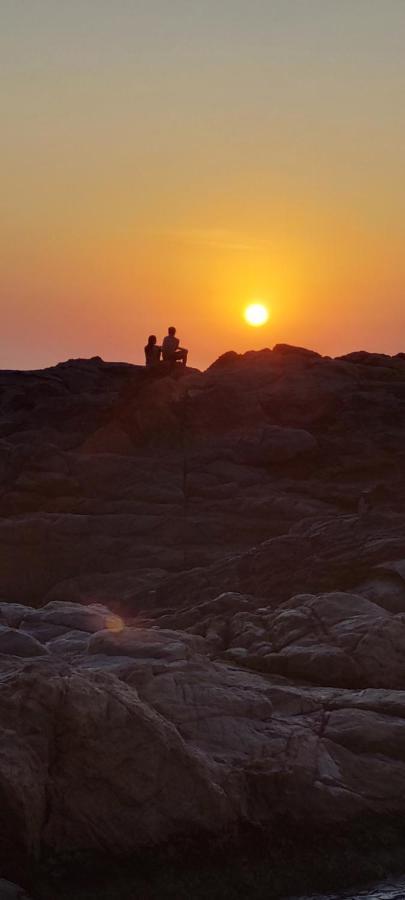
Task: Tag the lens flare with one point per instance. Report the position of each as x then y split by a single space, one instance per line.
256 314
114 623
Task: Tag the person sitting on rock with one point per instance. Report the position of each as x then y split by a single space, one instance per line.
171 350
152 352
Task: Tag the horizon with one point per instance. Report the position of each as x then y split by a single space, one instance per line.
174 165
202 369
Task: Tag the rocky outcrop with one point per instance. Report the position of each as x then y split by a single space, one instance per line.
112 480
202 578
118 736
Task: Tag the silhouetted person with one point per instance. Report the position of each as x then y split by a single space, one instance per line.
171 350
152 352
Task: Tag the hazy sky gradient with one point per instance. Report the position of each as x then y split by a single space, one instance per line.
167 161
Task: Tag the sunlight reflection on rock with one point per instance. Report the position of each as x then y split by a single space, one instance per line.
114 624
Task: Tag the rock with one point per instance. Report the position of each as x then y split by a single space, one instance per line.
295 352
202 626
140 643
275 445
57 617
332 639
69 642
226 360
384 589
118 741
189 464
12 614
16 643
75 743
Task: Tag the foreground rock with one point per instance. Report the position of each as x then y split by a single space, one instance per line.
121 736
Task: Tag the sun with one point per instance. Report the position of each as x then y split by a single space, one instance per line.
256 314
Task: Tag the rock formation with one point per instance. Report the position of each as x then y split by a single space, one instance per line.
202 583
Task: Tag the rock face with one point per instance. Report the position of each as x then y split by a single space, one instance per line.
202 579
125 736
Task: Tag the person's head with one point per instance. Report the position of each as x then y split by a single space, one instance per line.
172 330
152 340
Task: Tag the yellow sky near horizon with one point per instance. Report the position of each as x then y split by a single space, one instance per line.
170 164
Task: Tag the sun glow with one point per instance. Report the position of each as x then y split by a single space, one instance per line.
256 314
114 623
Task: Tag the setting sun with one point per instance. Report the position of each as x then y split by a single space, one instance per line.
256 314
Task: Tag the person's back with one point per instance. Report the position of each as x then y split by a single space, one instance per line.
170 348
152 352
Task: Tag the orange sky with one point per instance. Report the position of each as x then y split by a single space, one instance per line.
168 163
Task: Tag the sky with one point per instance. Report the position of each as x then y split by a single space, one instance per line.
169 161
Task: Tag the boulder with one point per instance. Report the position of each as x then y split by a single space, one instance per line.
58 617
86 764
336 639
16 643
12 614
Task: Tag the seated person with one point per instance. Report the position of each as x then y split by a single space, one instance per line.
171 350
152 352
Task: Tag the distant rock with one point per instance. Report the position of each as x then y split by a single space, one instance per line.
291 351
227 359
113 475
368 359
